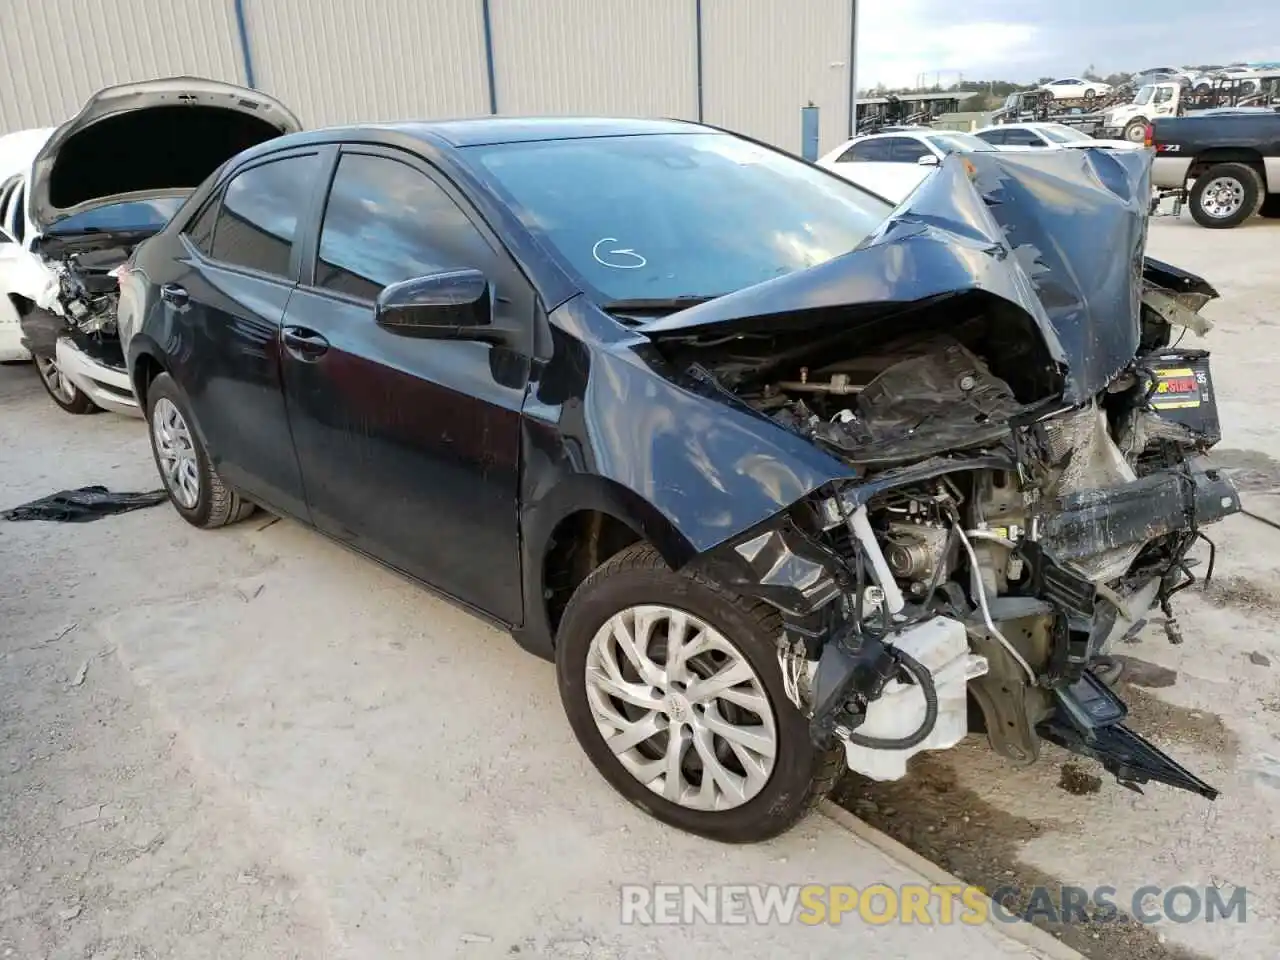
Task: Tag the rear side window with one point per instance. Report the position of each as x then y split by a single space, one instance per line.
992 136
867 151
200 230
386 222
257 221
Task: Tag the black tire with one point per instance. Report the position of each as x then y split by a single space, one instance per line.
1135 130
1270 207
802 775
1249 182
216 504
67 396
1090 93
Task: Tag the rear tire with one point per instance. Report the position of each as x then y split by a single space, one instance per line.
61 390
635 583
195 489
1135 131
1226 195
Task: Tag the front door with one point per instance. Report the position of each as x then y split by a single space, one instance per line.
410 448
225 304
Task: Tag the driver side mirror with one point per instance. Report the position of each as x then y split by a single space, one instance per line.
928 160
457 305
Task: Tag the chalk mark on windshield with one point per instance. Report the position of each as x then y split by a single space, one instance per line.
636 261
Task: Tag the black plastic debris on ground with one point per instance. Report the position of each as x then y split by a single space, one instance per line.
83 505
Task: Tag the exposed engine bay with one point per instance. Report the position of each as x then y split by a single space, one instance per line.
80 301
997 541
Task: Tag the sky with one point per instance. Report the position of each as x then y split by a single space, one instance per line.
1023 40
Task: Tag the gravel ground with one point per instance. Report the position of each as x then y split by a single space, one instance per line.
1213 703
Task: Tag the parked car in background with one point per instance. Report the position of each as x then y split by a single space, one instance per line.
894 163
1224 164
20 269
749 452
1006 136
1075 88
106 179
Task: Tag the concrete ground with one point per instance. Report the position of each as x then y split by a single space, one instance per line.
252 744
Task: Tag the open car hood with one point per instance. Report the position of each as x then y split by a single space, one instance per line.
1058 233
142 140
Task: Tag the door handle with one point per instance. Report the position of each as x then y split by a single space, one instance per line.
304 343
174 294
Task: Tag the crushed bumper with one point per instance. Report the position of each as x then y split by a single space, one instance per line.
106 385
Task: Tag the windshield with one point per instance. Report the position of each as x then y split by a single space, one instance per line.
128 217
664 216
1061 133
1144 95
951 142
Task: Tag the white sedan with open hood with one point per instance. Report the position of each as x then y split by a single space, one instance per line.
102 183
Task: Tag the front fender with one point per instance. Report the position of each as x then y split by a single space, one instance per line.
709 468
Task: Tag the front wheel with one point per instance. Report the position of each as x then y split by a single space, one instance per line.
1226 195
195 489
62 391
672 687
1090 93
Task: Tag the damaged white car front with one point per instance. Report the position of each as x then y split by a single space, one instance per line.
103 182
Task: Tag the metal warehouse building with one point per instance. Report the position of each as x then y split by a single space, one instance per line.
749 65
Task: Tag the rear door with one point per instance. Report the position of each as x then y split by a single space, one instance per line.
410 448
223 305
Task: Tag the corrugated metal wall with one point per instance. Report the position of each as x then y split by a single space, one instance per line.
349 60
763 60
341 62
625 57
55 53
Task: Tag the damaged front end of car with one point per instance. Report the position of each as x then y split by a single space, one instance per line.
999 370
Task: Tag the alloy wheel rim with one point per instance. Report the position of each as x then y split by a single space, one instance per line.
681 708
1223 197
56 380
176 453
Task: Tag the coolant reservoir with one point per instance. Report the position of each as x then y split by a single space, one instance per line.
942 647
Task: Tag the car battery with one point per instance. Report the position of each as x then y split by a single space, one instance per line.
1180 389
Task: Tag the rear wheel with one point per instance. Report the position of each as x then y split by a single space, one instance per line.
1135 131
1226 195
672 687
64 393
195 489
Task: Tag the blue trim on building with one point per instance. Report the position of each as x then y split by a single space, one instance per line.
853 67
488 56
246 52
697 25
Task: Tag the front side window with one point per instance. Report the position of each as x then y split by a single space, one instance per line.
1022 138
1061 133
257 220
386 222
867 151
663 216
906 150
962 142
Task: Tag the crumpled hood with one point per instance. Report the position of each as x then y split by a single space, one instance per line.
1059 233
148 139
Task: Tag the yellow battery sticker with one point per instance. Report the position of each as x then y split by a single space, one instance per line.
1177 388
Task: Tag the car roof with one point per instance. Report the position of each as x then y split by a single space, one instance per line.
479 131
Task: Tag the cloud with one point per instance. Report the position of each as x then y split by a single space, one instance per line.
900 40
